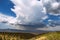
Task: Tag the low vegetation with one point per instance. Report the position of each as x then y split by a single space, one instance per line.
15 36
28 36
47 36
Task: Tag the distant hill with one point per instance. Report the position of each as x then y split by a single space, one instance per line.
23 31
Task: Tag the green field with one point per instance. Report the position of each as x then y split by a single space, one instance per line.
29 36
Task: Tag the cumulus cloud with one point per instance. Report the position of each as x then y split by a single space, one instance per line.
29 11
7 19
52 7
32 12
9 22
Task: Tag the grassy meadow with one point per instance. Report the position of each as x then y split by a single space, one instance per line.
29 36
47 36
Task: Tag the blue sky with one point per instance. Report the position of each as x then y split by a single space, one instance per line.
6 5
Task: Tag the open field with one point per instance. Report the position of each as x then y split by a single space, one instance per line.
15 36
29 36
47 36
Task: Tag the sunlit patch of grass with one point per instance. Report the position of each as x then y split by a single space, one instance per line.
48 36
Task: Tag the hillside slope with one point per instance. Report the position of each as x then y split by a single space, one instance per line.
48 36
29 36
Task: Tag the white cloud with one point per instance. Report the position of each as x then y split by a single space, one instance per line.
56 28
52 7
9 22
29 11
7 19
53 23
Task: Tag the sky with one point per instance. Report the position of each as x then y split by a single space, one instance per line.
30 12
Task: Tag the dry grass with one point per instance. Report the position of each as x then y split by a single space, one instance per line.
48 36
15 36
28 36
